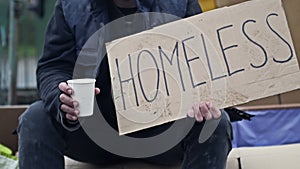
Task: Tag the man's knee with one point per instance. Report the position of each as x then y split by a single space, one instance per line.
33 111
35 121
33 115
40 138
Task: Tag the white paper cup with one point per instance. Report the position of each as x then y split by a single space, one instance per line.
84 93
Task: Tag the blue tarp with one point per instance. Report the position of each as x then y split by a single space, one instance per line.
268 127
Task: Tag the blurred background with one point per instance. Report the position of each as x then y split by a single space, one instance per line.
22 26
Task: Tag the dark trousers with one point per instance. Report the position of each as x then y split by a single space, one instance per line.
43 142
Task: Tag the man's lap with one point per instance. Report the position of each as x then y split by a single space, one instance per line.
77 145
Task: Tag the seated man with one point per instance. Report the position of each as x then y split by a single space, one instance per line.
49 129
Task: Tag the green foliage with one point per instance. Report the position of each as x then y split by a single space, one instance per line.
5 151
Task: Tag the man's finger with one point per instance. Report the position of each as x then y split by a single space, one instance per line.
191 113
199 117
216 113
65 99
207 115
64 87
71 117
69 110
204 109
97 91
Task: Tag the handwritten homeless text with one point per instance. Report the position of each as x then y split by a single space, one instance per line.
159 58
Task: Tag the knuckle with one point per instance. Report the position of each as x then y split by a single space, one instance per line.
61 85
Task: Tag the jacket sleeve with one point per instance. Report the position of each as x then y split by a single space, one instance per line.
193 8
56 63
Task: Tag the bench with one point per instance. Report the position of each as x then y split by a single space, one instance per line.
266 157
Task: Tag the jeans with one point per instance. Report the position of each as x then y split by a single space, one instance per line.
43 142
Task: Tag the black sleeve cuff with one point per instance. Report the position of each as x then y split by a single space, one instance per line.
67 124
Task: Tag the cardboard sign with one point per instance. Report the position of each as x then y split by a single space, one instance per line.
229 56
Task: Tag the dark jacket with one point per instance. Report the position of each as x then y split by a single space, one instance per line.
72 23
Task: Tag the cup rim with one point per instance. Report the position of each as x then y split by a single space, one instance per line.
81 81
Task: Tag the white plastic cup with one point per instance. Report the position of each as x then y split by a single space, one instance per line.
84 93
